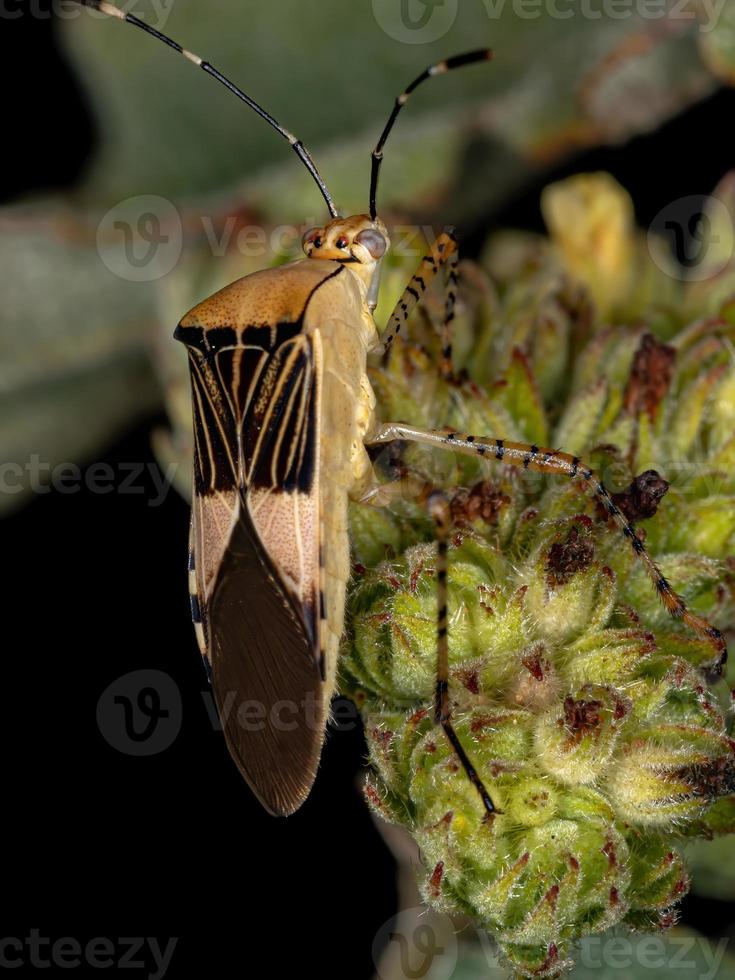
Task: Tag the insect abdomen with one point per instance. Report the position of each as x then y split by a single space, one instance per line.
347 405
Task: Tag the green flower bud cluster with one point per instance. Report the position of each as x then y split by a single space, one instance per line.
598 724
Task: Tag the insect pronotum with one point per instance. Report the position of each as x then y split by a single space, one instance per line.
283 413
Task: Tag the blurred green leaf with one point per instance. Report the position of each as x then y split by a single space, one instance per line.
718 44
73 369
557 82
713 867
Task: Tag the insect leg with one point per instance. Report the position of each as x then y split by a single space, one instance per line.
196 609
443 253
377 494
439 509
445 362
541 460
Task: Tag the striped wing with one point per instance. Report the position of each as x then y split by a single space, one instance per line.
254 562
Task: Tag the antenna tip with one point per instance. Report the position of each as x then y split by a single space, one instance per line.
468 58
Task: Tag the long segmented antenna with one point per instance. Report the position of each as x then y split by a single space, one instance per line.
441 68
299 148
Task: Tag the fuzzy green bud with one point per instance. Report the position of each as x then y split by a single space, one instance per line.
581 704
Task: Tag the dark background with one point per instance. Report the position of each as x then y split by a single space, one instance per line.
100 843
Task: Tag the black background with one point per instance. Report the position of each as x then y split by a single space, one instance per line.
99 843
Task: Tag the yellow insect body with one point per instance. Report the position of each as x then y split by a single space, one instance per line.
282 409
347 333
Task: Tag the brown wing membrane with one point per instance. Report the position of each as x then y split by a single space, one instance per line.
255 521
266 684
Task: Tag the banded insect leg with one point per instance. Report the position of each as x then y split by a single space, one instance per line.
408 487
554 461
444 254
439 509
196 606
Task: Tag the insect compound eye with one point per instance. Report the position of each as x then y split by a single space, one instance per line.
373 241
312 237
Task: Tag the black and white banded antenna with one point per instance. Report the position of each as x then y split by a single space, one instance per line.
301 152
441 68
